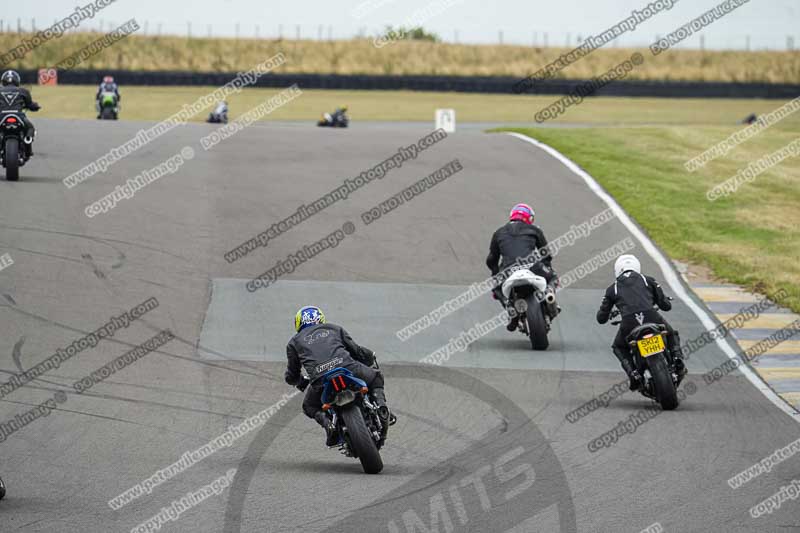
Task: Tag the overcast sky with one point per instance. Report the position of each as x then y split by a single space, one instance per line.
767 22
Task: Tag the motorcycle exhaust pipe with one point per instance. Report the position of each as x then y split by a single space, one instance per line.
27 140
550 302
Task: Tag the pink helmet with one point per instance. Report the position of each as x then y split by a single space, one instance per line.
108 79
523 213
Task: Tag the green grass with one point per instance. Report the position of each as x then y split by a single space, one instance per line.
156 103
751 238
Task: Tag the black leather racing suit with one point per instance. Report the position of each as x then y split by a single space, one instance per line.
320 348
13 98
635 295
517 240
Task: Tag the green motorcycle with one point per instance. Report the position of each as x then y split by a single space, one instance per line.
109 107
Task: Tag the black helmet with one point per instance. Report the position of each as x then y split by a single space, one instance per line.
10 77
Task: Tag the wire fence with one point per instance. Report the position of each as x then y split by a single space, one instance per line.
536 39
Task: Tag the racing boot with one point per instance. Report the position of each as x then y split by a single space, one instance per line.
331 435
383 411
514 313
633 375
513 322
677 355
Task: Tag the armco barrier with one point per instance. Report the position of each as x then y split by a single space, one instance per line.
464 84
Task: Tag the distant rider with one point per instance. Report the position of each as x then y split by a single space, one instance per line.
338 116
220 114
635 294
317 343
518 239
108 86
16 98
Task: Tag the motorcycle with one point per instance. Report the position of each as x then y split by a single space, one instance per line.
339 120
2 489
654 362
528 295
219 115
217 118
353 413
13 151
109 107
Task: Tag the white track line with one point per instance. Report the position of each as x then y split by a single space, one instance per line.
670 274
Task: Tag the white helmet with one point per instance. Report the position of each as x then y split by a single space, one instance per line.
626 262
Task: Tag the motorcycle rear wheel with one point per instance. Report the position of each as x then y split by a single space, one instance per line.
361 441
665 391
12 159
537 327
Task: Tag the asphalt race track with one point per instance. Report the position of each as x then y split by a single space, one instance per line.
482 443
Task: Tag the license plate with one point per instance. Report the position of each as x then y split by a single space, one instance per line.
651 345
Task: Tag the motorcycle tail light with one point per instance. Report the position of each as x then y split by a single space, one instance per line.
647 336
11 120
338 383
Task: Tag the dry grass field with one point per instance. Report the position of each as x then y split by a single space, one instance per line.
359 56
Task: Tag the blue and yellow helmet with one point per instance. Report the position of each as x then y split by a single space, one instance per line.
308 316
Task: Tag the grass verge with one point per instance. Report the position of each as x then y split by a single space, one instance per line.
156 103
751 238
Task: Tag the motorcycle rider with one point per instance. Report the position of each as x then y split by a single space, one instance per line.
319 346
517 239
635 294
107 86
220 114
16 98
339 115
